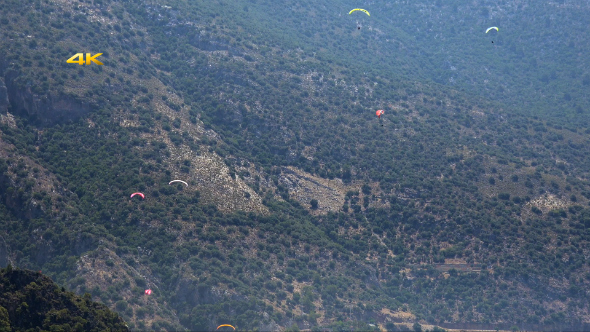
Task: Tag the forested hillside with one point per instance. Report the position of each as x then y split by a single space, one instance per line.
30 301
466 203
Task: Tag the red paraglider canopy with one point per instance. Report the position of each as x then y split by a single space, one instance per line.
148 292
140 194
379 113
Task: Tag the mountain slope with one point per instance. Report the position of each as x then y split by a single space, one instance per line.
302 208
535 64
29 300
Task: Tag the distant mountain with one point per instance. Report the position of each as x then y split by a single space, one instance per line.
31 301
465 205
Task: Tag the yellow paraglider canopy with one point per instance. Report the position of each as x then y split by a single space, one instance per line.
362 10
490 28
226 325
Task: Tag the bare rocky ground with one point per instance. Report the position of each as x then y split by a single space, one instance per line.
304 187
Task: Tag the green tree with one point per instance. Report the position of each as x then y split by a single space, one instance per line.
4 320
417 327
366 189
314 204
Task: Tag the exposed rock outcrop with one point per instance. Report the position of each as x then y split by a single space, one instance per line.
48 109
304 187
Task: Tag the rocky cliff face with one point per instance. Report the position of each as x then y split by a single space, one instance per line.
48 109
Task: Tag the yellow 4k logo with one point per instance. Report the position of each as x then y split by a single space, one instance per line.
89 59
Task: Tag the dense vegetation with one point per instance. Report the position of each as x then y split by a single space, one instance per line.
449 172
30 301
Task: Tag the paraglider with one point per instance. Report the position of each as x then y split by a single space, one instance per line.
139 194
492 28
226 325
358 25
173 181
362 10
148 292
379 113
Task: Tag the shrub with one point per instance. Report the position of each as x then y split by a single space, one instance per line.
314 204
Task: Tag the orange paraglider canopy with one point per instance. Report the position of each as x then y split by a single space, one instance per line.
379 113
226 325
